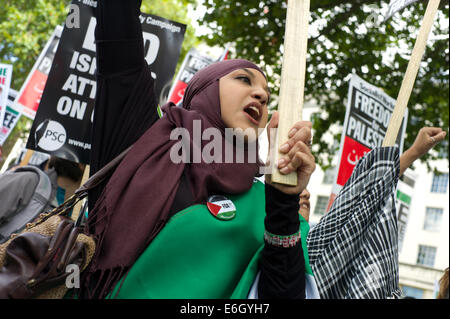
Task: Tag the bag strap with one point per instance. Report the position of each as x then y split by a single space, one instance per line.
101 175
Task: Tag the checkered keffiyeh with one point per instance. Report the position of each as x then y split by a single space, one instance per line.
353 250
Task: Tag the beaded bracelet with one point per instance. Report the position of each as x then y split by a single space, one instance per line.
282 241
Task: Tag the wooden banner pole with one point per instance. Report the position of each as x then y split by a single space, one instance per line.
26 158
78 206
411 73
292 79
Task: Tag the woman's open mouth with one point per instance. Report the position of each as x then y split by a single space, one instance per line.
254 112
306 206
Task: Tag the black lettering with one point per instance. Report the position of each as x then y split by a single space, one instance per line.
8 120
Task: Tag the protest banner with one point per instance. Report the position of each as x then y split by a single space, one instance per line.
395 6
5 83
35 158
192 63
12 115
30 93
367 117
62 125
403 203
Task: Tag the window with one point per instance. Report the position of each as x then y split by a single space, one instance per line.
412 292
443 151
328 177
440 183
426 256
433 217
321 205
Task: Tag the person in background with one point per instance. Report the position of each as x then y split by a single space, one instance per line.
68 176
353 250
65 177
305 205
443 286
26 191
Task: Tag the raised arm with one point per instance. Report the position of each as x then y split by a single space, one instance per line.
118 36
126 104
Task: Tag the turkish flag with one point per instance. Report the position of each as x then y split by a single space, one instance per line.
178 92
352 152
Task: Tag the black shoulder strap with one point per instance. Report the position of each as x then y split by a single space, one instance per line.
183 197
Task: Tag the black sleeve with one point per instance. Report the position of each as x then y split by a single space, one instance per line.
126 105
282 269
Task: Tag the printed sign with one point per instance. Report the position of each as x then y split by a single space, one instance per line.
31 91
62 125
36 159
369 111
193 62
397 5
11 117
403 204
5 83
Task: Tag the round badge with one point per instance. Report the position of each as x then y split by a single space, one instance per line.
221 207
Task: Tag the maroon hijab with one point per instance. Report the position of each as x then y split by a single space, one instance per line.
135 203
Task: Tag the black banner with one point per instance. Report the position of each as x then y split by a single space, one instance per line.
62 125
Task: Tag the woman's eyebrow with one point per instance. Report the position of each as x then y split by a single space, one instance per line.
266 88
249 73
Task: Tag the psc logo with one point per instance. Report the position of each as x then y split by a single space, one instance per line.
50 135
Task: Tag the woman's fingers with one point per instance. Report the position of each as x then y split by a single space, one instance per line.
304 165
300 132
301 162
298 156
426 139
439 137
297 126
296 151
436 134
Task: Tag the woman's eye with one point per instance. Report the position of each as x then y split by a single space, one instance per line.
245 79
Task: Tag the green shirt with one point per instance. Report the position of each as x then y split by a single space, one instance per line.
198 256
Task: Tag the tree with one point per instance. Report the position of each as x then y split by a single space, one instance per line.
343 38
25 27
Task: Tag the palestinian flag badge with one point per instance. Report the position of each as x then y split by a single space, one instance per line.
221 207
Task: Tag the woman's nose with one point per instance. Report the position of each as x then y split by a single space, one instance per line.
260 95
305 194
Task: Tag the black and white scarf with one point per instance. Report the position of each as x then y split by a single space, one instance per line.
353 250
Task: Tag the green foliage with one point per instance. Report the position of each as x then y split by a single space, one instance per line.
343 39
25 27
